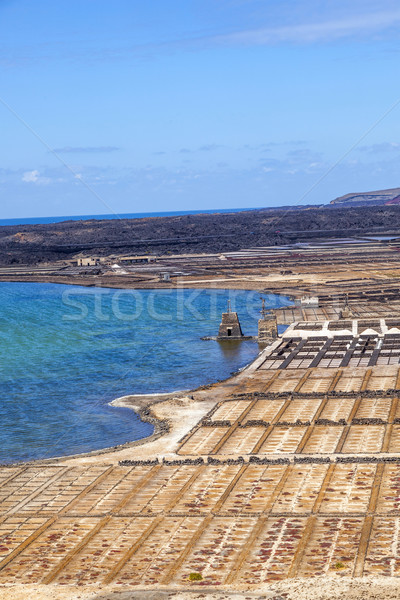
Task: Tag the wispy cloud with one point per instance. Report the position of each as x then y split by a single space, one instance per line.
302 160
306 33
204 148
273 146
86 149
209 147
382 147
356 21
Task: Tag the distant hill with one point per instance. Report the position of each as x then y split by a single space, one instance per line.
377 198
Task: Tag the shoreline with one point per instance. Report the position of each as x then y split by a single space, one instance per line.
188 405
97 282
142 405
226 284
142 412
280 481
171 426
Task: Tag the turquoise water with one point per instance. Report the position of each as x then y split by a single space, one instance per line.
67 351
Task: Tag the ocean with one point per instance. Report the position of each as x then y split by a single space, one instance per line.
43 220
67 351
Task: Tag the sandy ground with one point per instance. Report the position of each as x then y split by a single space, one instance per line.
320 588
180 412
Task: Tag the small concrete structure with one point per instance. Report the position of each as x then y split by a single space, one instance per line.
308 302
230 328
88 261
132 260
165 276
267 326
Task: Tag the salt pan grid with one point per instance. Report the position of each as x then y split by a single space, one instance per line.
310 345
233 522
247 524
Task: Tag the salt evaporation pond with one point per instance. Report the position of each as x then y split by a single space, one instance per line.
67 351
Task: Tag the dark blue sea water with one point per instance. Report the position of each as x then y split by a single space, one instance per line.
67 351
37 220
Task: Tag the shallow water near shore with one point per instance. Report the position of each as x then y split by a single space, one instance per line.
67 351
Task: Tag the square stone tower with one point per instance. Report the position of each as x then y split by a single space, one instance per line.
230 328
267 326
267 329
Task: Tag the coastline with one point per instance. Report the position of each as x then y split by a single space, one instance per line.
173 414
116 282
214 492
144 404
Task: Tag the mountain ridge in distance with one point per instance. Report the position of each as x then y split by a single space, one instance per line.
376 198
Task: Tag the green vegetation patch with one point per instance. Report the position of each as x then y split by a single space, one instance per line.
195 576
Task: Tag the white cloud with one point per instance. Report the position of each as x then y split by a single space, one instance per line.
30 176
35 177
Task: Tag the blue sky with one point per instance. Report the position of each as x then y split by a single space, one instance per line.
136 106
